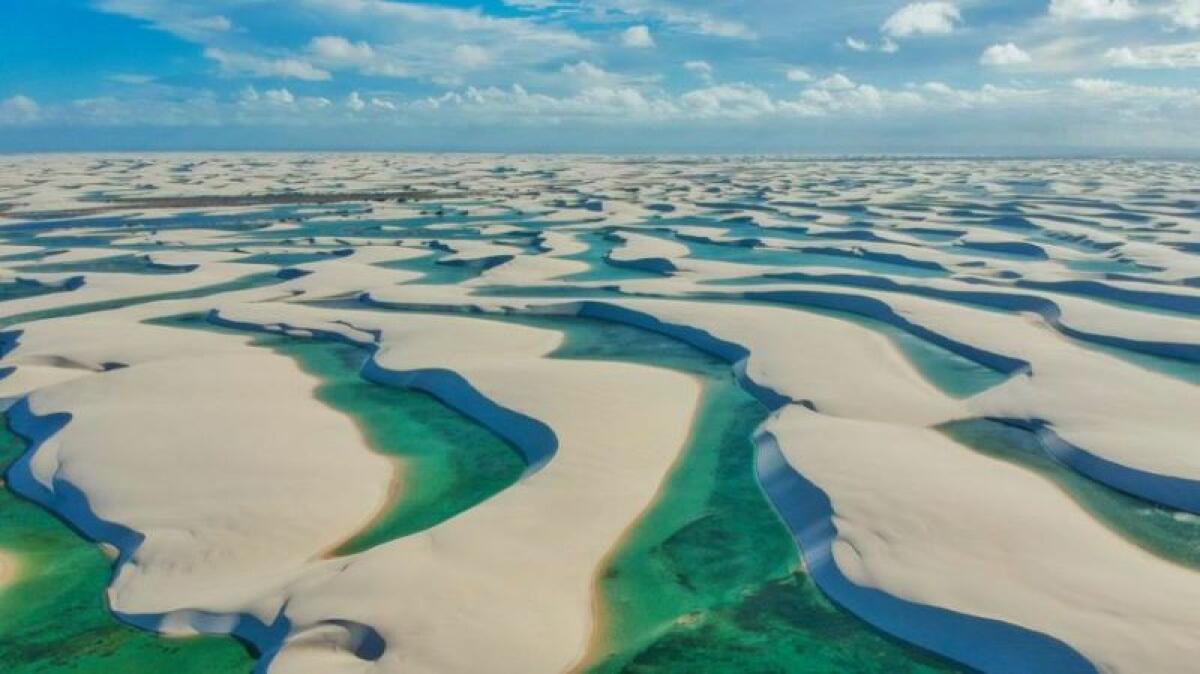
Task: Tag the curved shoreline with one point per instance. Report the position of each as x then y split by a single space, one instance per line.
972 640
1173 492
71 505
990 646
1013 302
958 636
533 439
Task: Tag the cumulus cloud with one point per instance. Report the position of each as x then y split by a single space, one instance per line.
1093 10
1141 102
248 64
686 17
701 69
1184 13
637 37
798 75
383 104
517 105
856 44
336 49
336 52
728 100
1182 55
584 71
923 18
354 102
375 37
279 96
19 109
1007 54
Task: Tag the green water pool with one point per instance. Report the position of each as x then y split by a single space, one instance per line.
54 618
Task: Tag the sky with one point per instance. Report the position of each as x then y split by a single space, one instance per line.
621 76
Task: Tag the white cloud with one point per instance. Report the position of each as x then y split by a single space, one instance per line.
1093 10
375 37
728 100
637 37
584 71
249 64
516 105
703 69
1136 101
383 104
856 44
216 24
336 49
279 96
680 16
798 75
19 110
471 57
1007 54
1184 13
835 82
194 23
889 46
923 18
1182 55
1085 108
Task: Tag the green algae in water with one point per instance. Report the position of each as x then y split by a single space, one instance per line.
450 462
709 579
1170 534
54 618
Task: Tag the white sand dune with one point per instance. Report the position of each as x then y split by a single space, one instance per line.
225 483
935 523
230 511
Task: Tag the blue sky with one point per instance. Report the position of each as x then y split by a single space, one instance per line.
973 76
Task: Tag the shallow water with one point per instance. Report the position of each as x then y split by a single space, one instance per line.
15 290
54 618
448 462
118 264
709 580
244 283
1168 533
435 272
